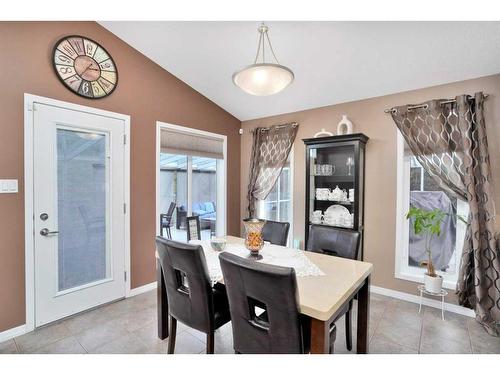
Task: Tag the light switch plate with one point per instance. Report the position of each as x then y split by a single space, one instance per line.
8 186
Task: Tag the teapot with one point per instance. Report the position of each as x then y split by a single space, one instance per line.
336 194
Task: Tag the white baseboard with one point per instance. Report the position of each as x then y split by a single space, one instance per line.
142 289
425 301
13 332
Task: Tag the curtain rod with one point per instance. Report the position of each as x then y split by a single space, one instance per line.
389 110
276 127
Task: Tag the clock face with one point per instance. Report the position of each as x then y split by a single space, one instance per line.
85 67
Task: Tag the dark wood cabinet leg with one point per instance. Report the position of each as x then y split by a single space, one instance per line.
172 334
161 303
348 330
210 343
363 317
320 337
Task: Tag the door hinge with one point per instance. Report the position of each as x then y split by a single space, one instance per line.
31 107
125 275
124 208
124 139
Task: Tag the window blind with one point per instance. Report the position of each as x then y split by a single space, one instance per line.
180 143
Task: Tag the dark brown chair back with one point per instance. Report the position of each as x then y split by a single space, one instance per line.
189 291
276 232
252 285
166 219
333 241
171 209
193 228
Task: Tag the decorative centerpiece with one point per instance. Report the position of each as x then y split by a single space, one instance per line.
253 238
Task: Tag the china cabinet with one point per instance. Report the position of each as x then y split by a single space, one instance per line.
335 174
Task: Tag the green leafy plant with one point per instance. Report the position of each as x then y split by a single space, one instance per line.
429 224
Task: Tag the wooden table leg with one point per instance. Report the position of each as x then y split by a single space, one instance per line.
320 337
363 317
162 303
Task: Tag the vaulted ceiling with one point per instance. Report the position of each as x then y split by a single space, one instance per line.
333 62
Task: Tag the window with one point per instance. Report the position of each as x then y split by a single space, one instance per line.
278 204
417 188
191 172
183 177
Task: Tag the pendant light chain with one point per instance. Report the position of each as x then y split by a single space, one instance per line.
271 48
263 48
258 48
262 44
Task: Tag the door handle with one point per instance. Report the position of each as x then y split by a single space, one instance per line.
45 232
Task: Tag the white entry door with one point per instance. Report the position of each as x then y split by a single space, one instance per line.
79 220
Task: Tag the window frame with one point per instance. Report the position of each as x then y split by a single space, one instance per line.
402 269
260 206
221 223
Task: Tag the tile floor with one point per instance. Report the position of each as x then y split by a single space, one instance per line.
129 326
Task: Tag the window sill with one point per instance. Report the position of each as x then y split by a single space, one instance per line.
448 283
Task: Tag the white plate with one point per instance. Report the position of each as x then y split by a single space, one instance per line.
336 212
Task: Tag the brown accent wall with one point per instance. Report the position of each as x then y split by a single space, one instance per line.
368 117
145 91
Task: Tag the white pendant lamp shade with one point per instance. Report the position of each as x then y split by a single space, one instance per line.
262 79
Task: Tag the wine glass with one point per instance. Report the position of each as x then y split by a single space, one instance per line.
349 163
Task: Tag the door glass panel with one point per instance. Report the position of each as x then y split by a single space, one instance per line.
331 186
205 194
173 188
82 176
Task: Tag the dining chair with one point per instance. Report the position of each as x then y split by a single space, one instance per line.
339 242
166 220
276 232
191 298
193 228
264 307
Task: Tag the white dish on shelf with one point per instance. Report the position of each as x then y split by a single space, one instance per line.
337 215
336 210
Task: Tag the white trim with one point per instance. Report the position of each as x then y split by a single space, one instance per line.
142 289
126 193
425 301
29 258
29 101
189 187
13 332
223 205
400 210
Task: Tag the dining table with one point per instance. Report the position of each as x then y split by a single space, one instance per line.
326 284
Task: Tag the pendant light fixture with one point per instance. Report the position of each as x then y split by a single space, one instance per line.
263 78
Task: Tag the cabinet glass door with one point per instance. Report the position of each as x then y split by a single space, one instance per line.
332 186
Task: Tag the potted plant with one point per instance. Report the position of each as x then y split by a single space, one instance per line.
428 223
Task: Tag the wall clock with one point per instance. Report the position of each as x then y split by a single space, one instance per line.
85 67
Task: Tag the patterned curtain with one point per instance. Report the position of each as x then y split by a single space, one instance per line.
449 140
270 150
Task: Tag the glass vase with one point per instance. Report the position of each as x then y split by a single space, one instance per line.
253 236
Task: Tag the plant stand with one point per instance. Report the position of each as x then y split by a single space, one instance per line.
443 293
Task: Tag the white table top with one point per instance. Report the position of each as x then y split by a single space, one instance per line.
321 296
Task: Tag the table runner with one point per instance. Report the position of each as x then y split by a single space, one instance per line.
271 254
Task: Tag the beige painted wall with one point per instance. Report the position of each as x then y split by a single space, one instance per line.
145 91
368 117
